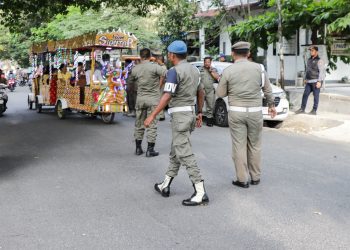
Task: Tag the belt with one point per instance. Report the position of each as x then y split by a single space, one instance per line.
312 81
245 109
180 109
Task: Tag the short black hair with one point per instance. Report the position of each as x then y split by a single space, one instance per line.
313 47
145 53
241 52
181 56
80 64
207 57
62 66
160 57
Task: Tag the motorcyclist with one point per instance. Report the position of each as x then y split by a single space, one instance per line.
3 80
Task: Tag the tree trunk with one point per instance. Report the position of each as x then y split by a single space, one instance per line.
314 36
280 36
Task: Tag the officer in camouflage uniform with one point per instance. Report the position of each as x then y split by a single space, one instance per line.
208 77
181 87
160 61
242 82
148 77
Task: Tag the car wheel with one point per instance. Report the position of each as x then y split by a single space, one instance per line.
38 106
221 115
61 113
274 124
30 104
107 117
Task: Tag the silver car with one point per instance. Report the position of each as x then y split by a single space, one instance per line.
221 104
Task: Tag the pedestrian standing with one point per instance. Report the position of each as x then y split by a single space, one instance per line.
131 92
222 58
160 61
181 88
242 82
315 75
209 76
148 77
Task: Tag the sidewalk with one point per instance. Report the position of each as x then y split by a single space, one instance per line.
330 126
333 116
335 98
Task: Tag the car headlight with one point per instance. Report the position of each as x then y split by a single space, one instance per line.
281 95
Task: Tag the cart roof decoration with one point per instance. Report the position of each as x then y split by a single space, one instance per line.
115 39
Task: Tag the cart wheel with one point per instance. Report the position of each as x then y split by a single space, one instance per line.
107 117
39 107
61 113
30 104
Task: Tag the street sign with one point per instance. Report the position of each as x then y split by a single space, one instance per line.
340 46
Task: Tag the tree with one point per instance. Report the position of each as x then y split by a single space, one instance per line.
16 13
262 30
176 20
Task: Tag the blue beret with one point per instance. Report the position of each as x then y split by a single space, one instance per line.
177 47
222 55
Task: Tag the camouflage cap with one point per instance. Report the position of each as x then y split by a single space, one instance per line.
241 45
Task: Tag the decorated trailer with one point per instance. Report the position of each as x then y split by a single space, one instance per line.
84 74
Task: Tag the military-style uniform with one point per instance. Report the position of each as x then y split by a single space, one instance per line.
146 75
208 83
162 114
183 119
242 82
184 86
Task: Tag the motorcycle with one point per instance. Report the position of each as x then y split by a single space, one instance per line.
3 98
12 84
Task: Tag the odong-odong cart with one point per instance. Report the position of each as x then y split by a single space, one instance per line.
102 93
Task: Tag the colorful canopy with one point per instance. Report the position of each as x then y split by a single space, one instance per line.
116 39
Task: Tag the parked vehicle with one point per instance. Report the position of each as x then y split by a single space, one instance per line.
221 104
82 91
3 98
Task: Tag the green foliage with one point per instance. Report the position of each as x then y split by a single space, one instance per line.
212 51
17 13
16 46
261 30
76 22
176 20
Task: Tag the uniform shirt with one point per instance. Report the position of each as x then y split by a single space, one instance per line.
241 82
182 83
146 77
207 80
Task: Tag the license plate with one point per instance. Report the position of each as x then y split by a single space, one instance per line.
265 110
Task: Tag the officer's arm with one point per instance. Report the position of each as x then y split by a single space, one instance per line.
200 100
164 100
214 74
267 90
221 90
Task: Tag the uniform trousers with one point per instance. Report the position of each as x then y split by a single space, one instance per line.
310 87
246 134
131 99
144 108
182 124
209 102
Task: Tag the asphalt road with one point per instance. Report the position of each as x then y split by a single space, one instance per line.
76 184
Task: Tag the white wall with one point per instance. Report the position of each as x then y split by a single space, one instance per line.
293 64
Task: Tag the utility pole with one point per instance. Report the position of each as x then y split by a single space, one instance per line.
280 38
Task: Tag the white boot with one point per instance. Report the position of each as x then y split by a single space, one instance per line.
164 187
199 197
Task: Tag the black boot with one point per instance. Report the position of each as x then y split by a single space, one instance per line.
164 187
139 150
199 196
210 122
150 150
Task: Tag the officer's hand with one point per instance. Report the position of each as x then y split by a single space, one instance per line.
272 112
199 120
148 121
318 85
